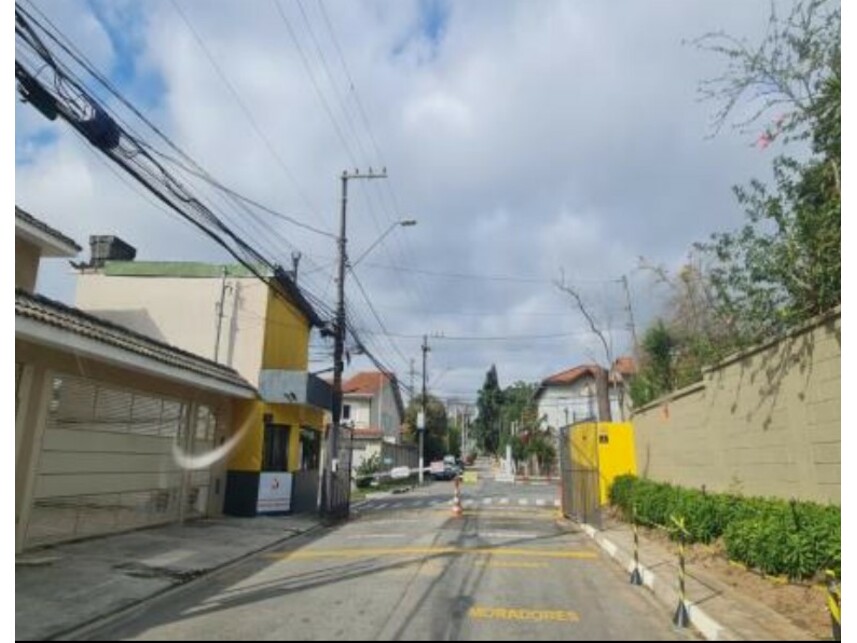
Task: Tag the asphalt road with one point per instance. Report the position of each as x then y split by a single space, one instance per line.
501 571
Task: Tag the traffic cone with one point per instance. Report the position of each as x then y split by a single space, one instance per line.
456 503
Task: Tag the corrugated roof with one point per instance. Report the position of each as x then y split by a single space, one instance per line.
54 313
28 218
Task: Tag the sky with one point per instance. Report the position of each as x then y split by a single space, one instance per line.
531 141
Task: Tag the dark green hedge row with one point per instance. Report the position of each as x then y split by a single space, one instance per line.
795 539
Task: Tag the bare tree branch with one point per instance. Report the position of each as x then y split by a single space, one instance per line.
589 318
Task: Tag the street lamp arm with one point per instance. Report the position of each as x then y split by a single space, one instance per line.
406 223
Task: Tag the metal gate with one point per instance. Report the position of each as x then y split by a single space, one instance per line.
580 474
107 461
339 502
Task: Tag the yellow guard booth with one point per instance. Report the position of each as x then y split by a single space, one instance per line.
605 447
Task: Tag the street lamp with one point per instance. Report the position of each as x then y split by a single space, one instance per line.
405 223
339 328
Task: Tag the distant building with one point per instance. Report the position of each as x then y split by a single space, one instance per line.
571 395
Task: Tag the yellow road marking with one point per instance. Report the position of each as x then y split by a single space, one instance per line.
520 515
499 564
310 554
518 614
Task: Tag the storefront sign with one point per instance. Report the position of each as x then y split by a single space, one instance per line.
275 493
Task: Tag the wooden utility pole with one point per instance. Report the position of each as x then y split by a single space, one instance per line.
339 338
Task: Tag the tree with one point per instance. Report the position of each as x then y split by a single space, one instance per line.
784 265
603 374
435 438
518 410
489 404
656 375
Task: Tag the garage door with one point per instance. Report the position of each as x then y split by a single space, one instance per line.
107 464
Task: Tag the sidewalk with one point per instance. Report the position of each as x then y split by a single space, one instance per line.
716 609
65 587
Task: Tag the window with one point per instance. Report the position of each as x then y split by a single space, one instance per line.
275 455
310 449
346 411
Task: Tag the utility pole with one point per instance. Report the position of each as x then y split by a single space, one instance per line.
339 335
632 326
422 429
412 374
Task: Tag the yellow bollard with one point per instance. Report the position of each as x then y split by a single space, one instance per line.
834 604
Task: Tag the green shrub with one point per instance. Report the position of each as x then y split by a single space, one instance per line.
796 539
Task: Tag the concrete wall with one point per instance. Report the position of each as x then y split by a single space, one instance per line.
183 312
27 257
763 422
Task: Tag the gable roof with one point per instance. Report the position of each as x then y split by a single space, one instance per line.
369 383
622 366
571 375
47 312
625 366
52 242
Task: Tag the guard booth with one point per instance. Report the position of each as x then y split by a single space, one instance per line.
592 455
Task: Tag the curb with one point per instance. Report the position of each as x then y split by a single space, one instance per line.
664 592
84 630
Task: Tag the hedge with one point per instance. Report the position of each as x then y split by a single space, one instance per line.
795 539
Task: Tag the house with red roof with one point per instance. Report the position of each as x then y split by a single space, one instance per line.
372 407
572 396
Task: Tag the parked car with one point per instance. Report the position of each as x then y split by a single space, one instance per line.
446 469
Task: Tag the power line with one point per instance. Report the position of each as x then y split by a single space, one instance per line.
378 317
481 277
315 85
243 106
69 48
362 111
89 118
501 338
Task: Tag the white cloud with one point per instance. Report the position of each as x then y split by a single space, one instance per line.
531 137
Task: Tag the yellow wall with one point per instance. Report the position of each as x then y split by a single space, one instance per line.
617 457
612 458
286 336
248 453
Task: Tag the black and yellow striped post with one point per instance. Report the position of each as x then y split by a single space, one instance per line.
636 576
834 603
681 617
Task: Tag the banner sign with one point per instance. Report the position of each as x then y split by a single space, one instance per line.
275 493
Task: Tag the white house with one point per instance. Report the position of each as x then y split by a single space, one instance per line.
372 405
571 395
